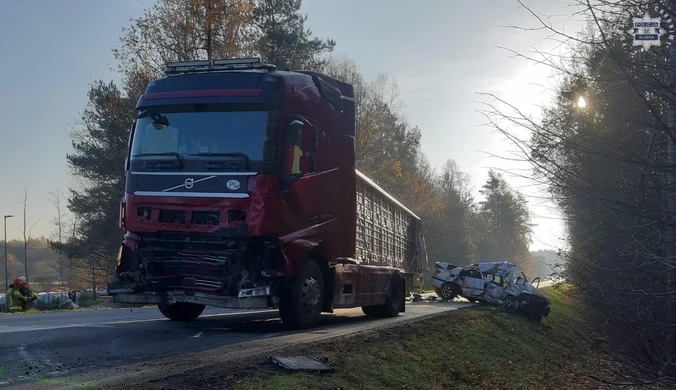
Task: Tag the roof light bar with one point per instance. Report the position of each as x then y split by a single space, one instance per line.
187 64
217 65
238 61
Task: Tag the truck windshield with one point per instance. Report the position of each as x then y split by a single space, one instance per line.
195 131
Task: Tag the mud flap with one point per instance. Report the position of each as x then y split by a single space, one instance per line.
126 261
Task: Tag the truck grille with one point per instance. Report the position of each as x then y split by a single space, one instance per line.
211 271
172 216
179 217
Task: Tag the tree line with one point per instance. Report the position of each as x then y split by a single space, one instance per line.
39 263
44 267
458 229
602 150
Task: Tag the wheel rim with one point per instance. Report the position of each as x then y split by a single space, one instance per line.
446 291
312 293
508 303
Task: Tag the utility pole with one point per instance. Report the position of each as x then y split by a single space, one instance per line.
57 204
93 279
25 239
6 264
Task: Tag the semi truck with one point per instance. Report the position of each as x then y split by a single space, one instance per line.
241 192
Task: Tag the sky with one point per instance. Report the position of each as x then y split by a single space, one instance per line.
442 53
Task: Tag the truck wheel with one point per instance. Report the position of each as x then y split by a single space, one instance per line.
181 311
371 311
303 299
393 303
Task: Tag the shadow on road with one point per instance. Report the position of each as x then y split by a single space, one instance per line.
269 322
262 323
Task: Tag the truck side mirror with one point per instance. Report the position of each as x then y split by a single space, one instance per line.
293 149
127 162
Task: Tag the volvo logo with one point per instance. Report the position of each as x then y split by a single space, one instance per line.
233 185
189 182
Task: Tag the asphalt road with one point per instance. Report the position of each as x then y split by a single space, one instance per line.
45 349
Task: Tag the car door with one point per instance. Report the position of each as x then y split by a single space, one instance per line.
471 282
494 288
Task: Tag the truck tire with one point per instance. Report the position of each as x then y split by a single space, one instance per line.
393 303
181 311
371 311
302 300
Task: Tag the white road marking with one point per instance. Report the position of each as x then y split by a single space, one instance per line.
196 336
24 328
28 328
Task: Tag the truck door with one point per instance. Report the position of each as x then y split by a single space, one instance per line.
300 160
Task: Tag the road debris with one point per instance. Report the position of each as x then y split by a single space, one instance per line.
300 363
68 305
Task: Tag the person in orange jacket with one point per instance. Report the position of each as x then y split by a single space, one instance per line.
28 296
15 300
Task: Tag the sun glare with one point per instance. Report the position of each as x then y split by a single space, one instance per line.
581 103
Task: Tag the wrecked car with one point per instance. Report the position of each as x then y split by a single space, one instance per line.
498 283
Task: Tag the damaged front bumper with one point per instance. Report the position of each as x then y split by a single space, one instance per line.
253 298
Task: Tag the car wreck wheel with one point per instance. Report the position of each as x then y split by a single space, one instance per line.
302 301
509 302
447 292
534 316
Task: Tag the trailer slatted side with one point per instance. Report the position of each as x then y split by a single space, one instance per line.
385 232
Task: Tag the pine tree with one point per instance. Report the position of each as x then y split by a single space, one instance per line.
283 39
506 224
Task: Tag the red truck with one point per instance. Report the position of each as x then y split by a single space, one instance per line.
241 192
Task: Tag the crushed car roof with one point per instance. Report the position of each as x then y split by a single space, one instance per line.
500 268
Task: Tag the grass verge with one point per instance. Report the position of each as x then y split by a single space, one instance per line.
482 347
